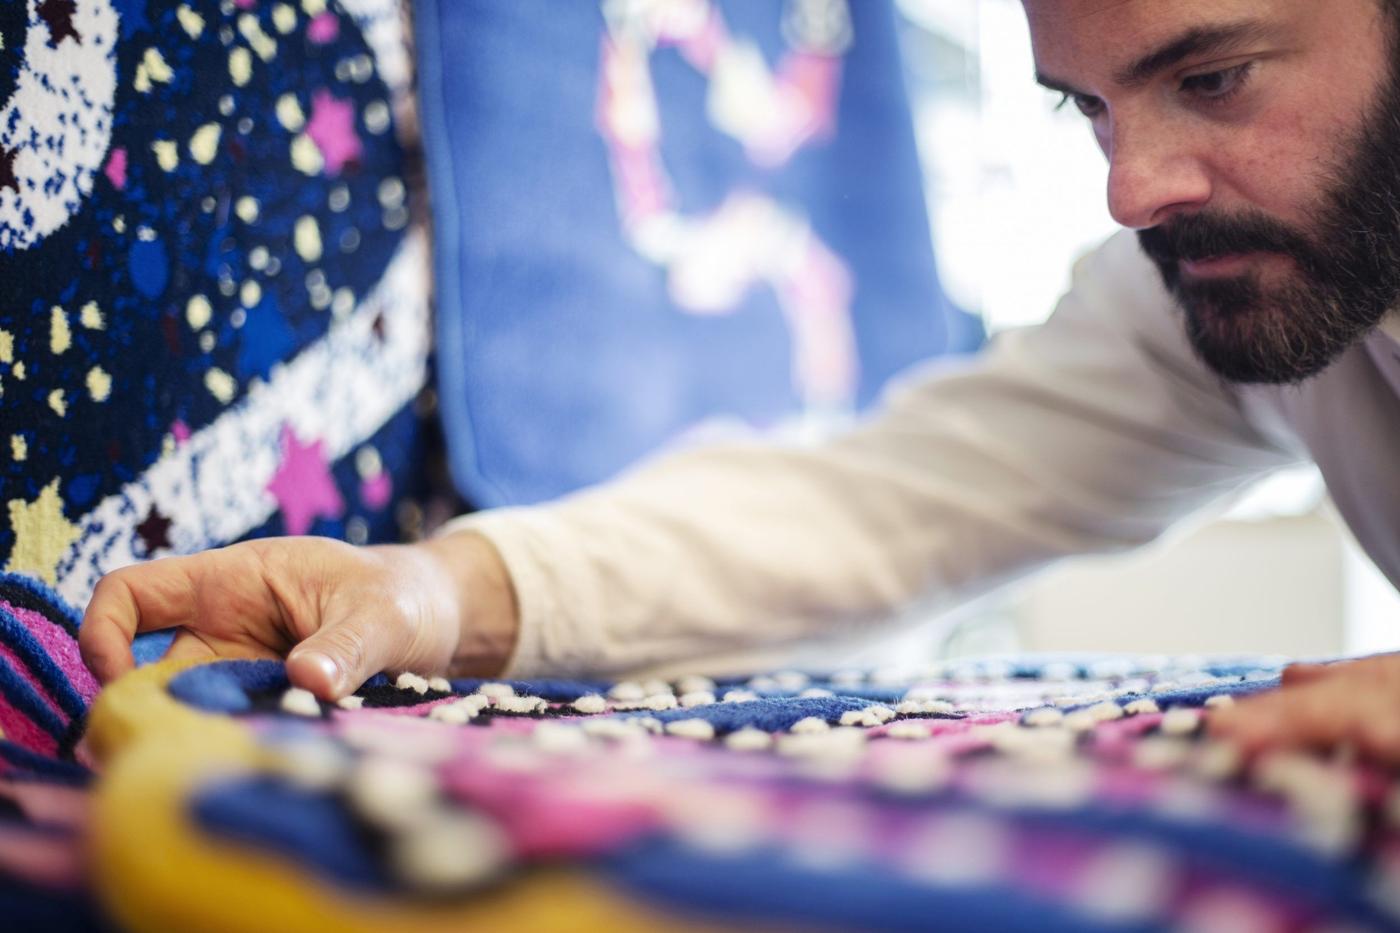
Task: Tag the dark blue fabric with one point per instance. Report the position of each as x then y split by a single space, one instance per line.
224 686
556 691
764 886
22 696
27 764
29 907
313 828
149 647
772 714
562 356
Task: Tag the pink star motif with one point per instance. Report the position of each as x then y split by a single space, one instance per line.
303 486
332 129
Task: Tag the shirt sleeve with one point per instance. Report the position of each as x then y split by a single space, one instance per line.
1092 432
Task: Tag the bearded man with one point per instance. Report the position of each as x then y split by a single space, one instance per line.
1245 321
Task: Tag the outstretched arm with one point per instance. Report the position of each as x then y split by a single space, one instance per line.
1093 432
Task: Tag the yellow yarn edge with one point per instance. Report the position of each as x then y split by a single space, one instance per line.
156 875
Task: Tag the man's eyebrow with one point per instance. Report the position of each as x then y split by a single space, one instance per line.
1199 40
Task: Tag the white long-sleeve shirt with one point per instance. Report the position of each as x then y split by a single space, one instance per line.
1093 432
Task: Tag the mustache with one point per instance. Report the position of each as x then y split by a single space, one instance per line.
1204 236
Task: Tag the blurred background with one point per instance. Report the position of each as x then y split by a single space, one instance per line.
1009 175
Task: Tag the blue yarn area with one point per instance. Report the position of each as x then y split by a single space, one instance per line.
17 690
225 686
767 886
768 713
312 828
29 765
555 691
1195 696
30 907
149 647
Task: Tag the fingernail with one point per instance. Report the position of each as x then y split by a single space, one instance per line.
323 663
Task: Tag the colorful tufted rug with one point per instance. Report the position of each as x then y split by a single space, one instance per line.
991 795
1038 794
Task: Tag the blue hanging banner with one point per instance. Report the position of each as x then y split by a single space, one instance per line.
652 216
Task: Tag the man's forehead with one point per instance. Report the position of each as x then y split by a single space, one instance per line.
1103 37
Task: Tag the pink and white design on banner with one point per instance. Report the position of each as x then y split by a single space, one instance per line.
713 259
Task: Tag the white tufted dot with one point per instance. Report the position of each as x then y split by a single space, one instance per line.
390 792
1219 701
870 716
653 687
475 702
1160 753
740 696
613 728
1081 720
558 738
838 743
691 729
590 704
908 730
660 701
1180 721
523 704
449 852
301 702
697 698
407 681
1141 706
496 691
1044 716
809 726
919 770
816 693
451 713
750 740
350 702
315 765
440 684
627 691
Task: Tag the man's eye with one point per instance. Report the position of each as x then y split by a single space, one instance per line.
1087 105
1218 86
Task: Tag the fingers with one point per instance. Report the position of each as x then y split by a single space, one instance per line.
1298 674
188 646
1344 708
340 656
125 602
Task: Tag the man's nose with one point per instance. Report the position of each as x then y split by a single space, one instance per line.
1153 174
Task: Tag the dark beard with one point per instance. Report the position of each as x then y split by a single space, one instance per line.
1347 274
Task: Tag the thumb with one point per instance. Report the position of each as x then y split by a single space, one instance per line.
339 657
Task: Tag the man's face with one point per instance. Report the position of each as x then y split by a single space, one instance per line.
1255 147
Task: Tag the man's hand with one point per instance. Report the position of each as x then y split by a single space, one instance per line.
340 614
1353 703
